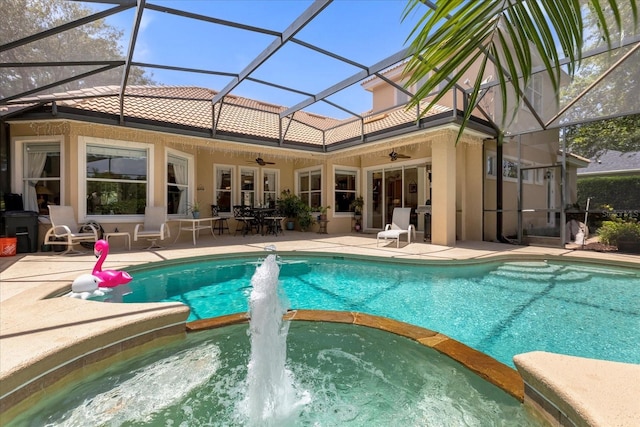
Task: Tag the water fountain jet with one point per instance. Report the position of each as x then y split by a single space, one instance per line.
271 393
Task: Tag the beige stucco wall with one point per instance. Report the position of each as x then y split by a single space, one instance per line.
460 187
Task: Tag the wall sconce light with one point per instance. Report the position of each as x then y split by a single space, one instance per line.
201 187
547 175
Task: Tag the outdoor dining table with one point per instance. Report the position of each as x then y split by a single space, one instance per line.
260 214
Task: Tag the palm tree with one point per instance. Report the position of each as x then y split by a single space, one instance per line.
453 35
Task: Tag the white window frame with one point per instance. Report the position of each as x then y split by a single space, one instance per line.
18 145
191 196
256 186
83 141
336 169
276 185
491 168
299 172
231 191
534 92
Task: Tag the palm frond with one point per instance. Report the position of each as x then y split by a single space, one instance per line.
454 35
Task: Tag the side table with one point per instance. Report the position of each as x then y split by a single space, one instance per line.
124 234
323 226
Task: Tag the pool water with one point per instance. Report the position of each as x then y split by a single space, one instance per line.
501 309
353 376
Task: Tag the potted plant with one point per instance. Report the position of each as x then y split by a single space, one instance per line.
305 219
323 212
357 206
290 206
194 208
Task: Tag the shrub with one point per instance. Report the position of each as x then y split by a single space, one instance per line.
623 192
615 231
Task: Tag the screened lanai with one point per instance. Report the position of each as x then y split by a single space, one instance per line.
290 75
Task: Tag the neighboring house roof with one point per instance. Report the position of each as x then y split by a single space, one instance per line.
574 159
191 107
613 162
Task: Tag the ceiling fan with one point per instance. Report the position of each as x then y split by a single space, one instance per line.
394 155
262 162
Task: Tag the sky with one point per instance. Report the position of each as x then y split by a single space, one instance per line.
364 31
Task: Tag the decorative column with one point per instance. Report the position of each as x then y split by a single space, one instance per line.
443 205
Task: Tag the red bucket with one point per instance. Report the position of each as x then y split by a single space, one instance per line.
8 246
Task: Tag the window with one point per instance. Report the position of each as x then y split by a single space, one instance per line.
310 187
533 92
345 189
270 187
509 169
491 165
247 186
116 179
223 184
179 177
41 176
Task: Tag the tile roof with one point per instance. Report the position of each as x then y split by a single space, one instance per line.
191 107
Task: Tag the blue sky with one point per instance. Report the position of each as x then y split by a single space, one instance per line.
365 31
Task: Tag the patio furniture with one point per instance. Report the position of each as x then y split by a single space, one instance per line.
195 225
260 215
125 234
219 222
154 226
400 224
244 219
65 230
273 223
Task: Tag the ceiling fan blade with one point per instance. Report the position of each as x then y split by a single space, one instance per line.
394 155
262 162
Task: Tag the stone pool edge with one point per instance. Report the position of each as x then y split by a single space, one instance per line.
479 363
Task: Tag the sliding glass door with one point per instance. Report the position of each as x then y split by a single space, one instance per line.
390 188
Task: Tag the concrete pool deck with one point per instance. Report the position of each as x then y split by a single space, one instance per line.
42 340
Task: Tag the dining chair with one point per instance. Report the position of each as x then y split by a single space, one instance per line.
219 222
244 219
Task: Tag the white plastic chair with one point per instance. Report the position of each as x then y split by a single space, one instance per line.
64 226
154 226
400 224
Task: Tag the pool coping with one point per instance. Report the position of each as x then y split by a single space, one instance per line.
41 333
484 366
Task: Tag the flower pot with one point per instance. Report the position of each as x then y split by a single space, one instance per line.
290 225
196 215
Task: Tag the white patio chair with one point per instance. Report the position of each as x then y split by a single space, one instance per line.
400 224
154 227
64 226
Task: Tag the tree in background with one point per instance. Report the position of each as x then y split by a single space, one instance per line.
455 34
616 95
590 139
96 40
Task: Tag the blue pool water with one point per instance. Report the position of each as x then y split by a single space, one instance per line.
501 309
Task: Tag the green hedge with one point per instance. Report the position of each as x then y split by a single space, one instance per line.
620 192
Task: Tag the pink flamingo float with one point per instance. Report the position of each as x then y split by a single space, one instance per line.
110 278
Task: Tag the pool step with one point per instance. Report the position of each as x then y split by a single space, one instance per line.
540 271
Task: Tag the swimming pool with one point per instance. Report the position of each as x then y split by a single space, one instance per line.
499 308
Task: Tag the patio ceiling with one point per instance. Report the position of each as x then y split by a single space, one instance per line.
303 62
